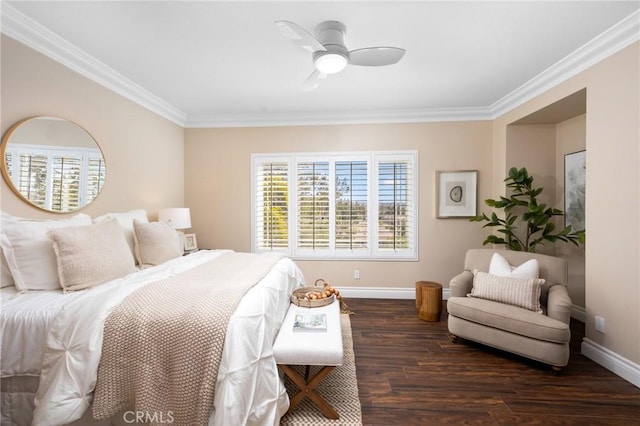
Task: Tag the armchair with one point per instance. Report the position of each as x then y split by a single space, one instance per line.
540 336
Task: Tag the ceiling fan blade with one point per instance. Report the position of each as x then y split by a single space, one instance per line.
313 81
375 56
300 36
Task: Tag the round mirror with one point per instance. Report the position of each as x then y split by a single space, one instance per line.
52 164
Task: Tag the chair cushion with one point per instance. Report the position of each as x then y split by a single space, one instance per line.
310 347
509 318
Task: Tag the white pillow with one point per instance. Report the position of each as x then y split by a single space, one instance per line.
29 252
125 219
156 242
91 255
6 279
500 266
522 292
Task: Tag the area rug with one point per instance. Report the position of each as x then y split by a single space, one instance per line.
339 388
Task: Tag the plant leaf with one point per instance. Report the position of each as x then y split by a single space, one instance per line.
522 207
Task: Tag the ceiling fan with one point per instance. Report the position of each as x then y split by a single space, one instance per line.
330 55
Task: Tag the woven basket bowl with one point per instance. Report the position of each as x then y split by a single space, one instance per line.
298 298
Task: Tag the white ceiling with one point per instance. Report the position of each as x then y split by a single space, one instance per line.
216 63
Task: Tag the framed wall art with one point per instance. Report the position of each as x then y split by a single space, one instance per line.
456 193
575 174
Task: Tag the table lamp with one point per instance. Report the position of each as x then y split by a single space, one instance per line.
177 218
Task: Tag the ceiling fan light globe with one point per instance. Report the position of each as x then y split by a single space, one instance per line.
330 63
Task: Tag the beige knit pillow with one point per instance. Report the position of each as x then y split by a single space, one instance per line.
155 243
522 292
91 255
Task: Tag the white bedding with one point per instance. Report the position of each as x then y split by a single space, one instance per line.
26 319
248 390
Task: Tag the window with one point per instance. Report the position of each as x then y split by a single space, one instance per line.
56 178
336 206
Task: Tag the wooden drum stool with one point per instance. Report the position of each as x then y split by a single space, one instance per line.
429 300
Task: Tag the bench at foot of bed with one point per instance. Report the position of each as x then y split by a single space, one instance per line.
310 348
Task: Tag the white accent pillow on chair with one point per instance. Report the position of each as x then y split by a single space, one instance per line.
500 267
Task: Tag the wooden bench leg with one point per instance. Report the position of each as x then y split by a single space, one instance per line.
307 389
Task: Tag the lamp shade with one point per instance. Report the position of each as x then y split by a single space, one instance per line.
177 218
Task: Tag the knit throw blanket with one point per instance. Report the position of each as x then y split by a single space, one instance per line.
162 345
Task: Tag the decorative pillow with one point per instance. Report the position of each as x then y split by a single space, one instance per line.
88 256
29 252
522 292
125 220
500 266
155 243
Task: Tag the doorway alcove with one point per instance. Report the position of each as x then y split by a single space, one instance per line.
539 142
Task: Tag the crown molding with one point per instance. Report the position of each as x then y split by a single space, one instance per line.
27 31
339 118
20 27
616 38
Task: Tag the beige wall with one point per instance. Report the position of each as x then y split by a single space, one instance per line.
571 137
534 147
144 152
217 182
612 277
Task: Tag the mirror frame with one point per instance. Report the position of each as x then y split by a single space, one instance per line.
5 172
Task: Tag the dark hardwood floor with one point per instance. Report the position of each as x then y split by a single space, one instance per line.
409 373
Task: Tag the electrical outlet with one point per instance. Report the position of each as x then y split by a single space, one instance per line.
356 274
600 324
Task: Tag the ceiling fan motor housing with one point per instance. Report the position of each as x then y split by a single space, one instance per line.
331 35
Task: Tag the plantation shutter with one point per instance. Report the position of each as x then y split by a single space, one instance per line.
352 197
8 161
95 176
32 178
313 186
396 205
65 183
271 206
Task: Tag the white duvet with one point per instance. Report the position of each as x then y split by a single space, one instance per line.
248 390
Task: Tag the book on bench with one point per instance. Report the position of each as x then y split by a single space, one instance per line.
310 322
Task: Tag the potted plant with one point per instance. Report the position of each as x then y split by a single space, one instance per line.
521 209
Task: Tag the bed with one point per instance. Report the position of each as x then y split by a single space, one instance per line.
70 354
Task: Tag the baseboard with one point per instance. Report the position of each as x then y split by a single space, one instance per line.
579 313
613 362
384 292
